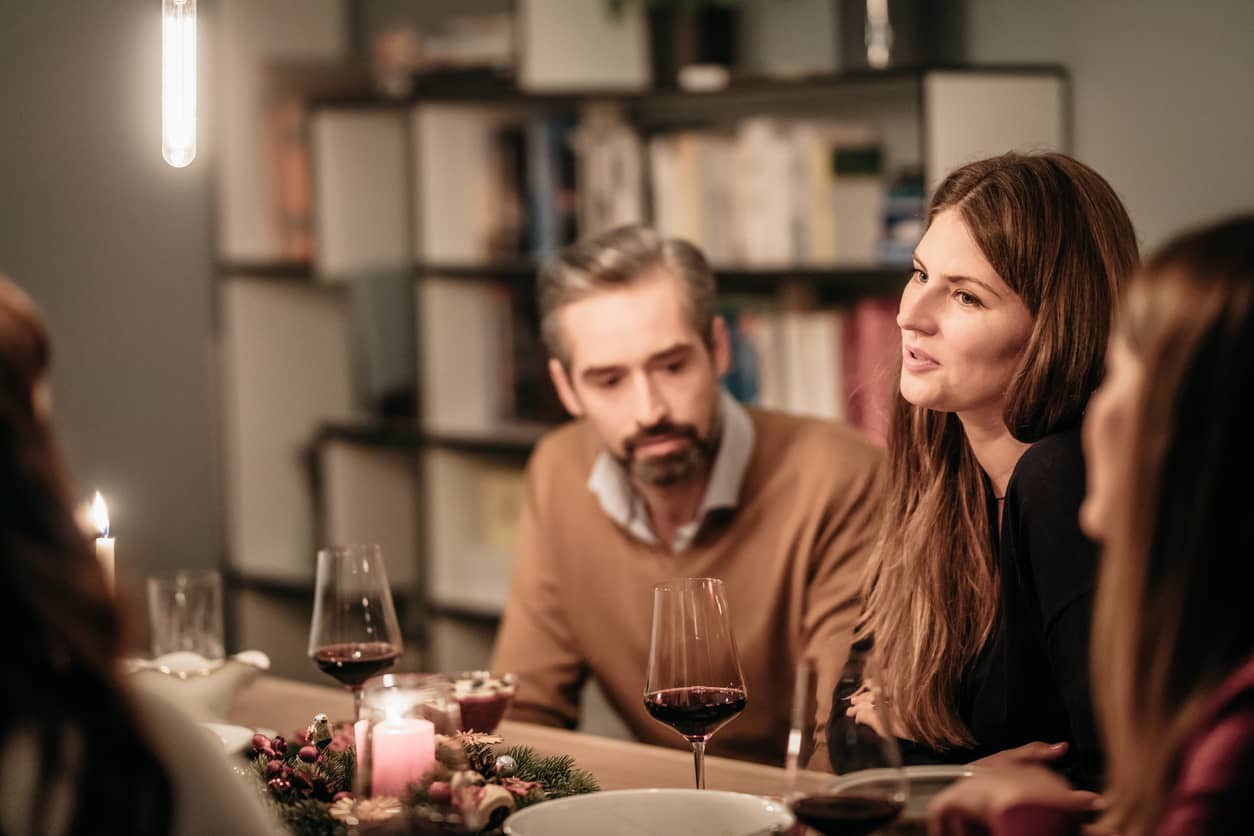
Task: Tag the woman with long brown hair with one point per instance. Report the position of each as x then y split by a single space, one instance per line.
979 590
1170 450
78 755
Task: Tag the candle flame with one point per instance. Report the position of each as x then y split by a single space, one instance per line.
100 515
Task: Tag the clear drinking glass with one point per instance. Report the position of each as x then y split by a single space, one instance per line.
846 778
185 613
694 683
354 633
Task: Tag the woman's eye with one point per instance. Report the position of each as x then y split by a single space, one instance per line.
968 299
919 276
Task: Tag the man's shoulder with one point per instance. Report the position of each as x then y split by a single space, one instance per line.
811 457
813 442
568 450
571 438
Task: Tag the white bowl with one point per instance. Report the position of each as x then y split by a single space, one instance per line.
234 738
653 813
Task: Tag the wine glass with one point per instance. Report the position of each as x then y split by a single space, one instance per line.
846 778
354 633
694 683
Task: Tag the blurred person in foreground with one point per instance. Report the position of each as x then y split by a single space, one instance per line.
664 476
79 754
1170 453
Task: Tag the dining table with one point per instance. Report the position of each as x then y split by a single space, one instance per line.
285 705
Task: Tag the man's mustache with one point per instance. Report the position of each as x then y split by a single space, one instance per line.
663 430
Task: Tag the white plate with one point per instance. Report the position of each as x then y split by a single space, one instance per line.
653 813
923 783
234 738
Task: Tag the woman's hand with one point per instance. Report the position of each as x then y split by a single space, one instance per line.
973 804
1029 754
862 706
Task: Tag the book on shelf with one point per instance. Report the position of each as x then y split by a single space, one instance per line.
551 186
609 156
835 364
772 192
287 87
481 365
469 162
492 183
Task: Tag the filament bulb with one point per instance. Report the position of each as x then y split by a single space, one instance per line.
178 81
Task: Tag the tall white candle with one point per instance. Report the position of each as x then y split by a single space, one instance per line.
104 543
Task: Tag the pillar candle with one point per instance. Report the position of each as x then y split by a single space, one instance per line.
401 753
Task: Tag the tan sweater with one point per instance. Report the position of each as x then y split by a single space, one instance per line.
791 557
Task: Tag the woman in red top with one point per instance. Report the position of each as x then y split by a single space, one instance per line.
1170 452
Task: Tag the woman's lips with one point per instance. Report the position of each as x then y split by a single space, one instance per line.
917 360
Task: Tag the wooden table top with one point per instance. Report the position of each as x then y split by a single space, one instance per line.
286 705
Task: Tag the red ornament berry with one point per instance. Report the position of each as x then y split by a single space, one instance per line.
280 784
260 742
273 768
308 754
280 745
440 792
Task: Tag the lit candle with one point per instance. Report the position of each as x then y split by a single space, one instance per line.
402 752
104 543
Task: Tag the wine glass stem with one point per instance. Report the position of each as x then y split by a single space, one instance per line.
698 762
356 704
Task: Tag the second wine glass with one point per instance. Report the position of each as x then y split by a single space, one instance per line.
694 683
844 777
354 633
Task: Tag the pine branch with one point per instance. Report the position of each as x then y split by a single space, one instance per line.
557 774
310 817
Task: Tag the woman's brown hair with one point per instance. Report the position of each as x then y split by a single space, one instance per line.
1173 617
1057 234
64 632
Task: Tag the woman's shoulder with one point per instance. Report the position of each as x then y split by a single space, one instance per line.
1058 457
204 786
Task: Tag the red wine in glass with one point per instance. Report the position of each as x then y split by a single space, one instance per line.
694 683
852 783
695 712
352 663
846 815
354 633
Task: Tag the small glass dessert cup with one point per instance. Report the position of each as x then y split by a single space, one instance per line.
482 698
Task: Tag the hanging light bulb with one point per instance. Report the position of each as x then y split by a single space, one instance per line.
178 81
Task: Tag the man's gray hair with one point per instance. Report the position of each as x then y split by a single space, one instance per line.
616 259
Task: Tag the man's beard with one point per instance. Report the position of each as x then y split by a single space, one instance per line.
675 467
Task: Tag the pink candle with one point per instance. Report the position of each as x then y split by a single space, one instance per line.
403 751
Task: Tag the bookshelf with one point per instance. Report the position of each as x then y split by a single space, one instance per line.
426 243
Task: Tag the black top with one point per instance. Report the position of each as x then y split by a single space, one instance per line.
1031 682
